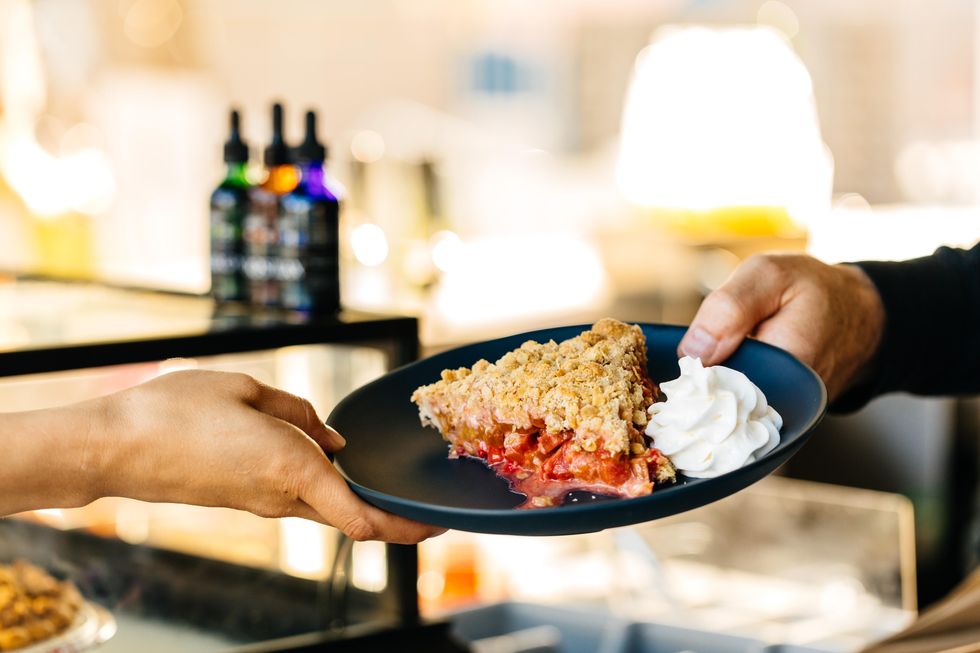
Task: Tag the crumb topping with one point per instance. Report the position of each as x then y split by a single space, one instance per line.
593 385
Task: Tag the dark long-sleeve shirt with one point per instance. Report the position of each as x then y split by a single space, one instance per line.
931 342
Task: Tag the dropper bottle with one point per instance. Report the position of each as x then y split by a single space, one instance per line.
309 233
261 225
282 175
229 206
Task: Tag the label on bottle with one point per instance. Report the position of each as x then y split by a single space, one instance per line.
309 253
260 236
228 210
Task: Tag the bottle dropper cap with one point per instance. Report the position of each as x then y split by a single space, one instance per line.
277 154
236 150
311 150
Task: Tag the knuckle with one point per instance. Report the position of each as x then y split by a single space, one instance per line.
765 265
359 529
246 386
816 291
308 410
729 304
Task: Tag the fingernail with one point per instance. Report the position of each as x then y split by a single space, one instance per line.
698 343
338 437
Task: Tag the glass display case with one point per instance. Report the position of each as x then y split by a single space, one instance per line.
185 577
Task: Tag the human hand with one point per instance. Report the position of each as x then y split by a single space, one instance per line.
224 439
829 316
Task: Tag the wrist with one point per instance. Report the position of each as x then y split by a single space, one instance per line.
111 453
77 452
94 448
869 323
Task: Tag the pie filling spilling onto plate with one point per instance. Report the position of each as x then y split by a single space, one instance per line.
556 417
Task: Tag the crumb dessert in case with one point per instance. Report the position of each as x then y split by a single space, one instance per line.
33 606
554 417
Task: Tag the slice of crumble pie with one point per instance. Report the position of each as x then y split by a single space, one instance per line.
556 417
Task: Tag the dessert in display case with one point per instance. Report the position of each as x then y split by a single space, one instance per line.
39 613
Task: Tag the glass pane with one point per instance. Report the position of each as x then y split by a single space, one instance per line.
784 560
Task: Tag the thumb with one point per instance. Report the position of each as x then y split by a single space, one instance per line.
733 311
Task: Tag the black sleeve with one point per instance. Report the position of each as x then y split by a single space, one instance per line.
931 343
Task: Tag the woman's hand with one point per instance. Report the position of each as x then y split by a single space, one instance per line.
221 439
828 316
197 437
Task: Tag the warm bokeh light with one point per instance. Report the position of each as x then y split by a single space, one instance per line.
722 118
370 244
431 584
369 567
446 250
302 547
50 186
367 146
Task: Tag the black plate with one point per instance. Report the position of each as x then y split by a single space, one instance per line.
394 463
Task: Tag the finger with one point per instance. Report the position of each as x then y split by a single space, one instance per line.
733 311
303 510
297 411
329 495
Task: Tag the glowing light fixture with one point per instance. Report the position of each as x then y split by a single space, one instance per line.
467 295
717 119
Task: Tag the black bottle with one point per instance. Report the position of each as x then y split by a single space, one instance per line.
229 206
261 232
309 234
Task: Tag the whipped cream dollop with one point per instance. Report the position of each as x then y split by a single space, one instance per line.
714 420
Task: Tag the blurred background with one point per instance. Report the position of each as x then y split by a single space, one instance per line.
460 128
504 166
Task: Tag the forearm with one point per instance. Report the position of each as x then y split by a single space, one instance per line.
51 458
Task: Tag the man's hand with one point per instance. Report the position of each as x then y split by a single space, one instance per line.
828 316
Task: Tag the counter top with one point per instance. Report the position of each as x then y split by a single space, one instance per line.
48 326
